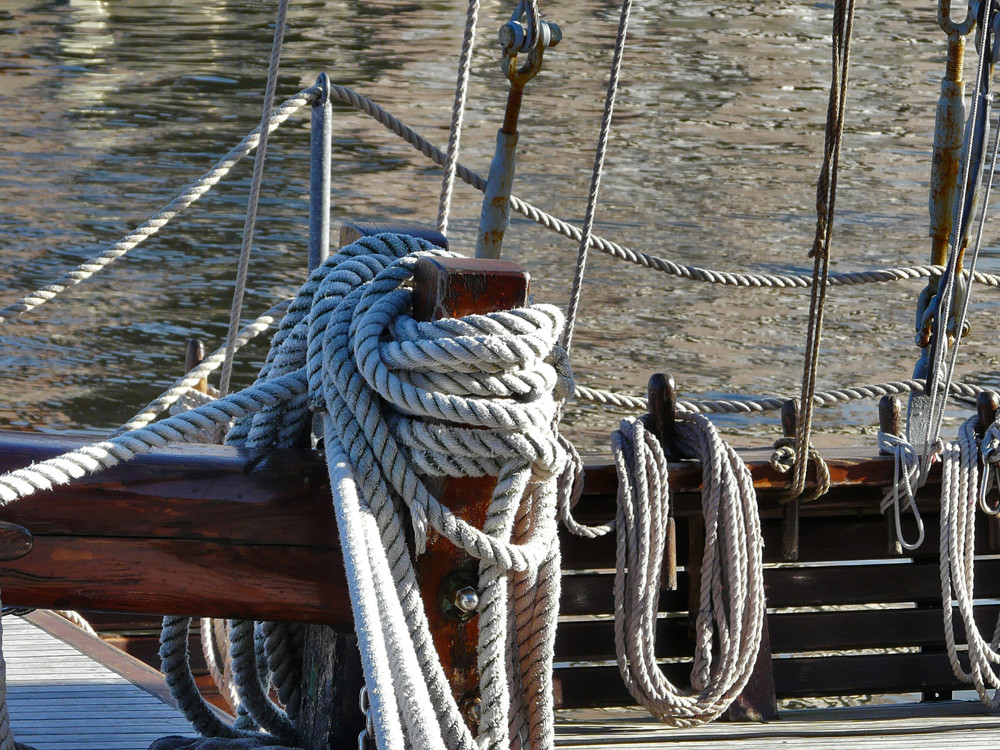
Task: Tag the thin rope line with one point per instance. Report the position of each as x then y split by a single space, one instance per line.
826 199
622 252
258 178
457 115
962 391
595 179
160 219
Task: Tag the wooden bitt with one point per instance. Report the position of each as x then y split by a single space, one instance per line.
987 405
890 421
332 679
193 356
758 701
662 421
790 508
454 287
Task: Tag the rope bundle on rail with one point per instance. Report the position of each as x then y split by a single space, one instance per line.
960 497
731 614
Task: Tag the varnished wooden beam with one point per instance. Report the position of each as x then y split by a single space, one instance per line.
229 535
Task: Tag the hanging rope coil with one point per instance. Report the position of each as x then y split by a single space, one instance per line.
959 499
731 615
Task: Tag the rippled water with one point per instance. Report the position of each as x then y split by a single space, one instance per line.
111 107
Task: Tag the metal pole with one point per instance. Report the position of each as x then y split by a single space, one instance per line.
321 137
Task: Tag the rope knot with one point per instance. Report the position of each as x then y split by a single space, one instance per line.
783 460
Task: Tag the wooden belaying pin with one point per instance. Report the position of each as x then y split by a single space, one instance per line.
987 405
662 415
193 356
890 421
790 509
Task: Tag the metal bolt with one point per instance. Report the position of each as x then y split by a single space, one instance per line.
467 599
472 710
458 596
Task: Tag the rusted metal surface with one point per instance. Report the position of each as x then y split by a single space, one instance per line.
453 287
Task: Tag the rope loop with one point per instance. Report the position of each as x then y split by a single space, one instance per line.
906 473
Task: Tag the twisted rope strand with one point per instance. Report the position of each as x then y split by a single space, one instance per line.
621 252
160 219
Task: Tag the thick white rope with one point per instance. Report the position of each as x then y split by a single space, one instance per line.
960 496
253 198
731 614
595 179
354 302
457 115
152 225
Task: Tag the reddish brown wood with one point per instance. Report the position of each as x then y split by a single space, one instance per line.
187 577
217 494
453 287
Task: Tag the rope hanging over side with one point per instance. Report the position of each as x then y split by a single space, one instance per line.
731 614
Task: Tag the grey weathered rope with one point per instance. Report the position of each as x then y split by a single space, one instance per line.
152 225
107 453
457 115
595 178
963 391
826 198
731 613
621 252
254 197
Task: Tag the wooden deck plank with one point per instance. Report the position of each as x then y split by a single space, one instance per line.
61 698
900 727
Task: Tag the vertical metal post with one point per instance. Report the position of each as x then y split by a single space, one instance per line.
320 148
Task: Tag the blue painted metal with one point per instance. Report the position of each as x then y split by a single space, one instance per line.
495 216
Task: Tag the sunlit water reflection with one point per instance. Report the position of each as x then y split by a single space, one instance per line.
111 108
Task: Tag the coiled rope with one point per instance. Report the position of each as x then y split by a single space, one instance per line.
731 614
332 340
960 496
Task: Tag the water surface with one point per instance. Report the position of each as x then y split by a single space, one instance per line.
112 107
